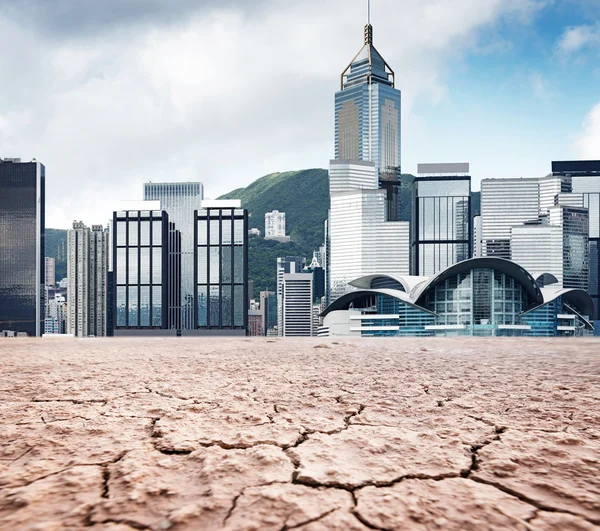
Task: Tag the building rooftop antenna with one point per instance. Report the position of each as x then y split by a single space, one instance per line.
368 27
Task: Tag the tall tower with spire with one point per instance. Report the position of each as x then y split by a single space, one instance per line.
368 118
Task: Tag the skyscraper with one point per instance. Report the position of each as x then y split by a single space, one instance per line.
297 290
506 203
441 229
50 272
368 119
285 265
146 273
583 178
361 241
180 200
221 268
22 242
87 290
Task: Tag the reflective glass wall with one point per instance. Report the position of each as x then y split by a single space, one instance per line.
22 227
441 231
180 201
142 263
221 271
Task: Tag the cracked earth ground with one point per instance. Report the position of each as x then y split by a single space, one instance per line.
203 434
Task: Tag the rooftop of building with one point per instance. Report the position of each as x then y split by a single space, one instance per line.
311 434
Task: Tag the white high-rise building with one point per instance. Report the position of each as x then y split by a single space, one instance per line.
362 242
275 226
285 265
99 257
87 267
506 203
538 248
297 312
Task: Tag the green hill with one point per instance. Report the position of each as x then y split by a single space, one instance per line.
304 197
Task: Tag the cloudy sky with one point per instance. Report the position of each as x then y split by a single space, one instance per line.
109 94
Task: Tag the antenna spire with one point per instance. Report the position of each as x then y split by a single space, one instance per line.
368 27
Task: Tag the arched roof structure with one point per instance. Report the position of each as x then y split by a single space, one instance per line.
547 278
499 264
344 302
408 282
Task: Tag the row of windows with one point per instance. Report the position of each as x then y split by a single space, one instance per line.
221 231
139 265
134 233
139 306
226 265
221 306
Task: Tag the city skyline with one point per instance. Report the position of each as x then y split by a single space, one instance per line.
516 79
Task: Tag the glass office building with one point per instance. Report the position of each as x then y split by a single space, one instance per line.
476 297
180 200
147 273
22 254
441 228
368 119
221 268
583 177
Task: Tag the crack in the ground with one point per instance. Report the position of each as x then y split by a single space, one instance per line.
242 492
106 474
306 522
75 465
354 511
165 395
119 521
12 461
102 401
475 451
538 505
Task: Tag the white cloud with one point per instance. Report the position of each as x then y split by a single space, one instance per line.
587 146
218 95
539 84
576 38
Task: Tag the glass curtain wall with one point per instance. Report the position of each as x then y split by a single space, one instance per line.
441 223
221 269
140 242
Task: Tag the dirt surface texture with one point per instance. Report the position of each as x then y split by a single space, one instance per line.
310 434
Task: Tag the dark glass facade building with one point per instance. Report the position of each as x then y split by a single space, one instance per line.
221 270
441 227
147 273
22 260
583 177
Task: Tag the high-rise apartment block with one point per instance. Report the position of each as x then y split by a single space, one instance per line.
50 271
368 119
441 226
22 246
221 268
275 226
180 200
87 270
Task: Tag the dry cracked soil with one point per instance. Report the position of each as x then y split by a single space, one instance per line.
278 434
